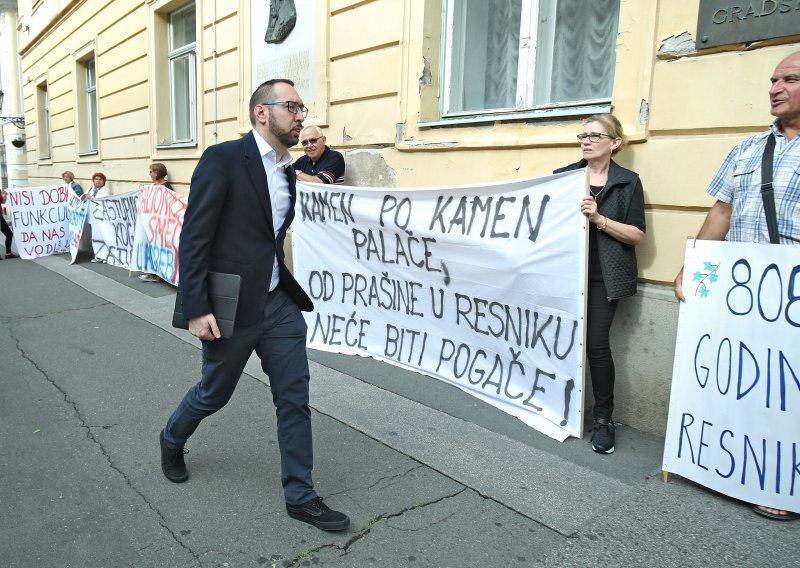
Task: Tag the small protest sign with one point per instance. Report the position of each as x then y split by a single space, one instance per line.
735 402
113 220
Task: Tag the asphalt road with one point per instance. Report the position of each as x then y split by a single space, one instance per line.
90 369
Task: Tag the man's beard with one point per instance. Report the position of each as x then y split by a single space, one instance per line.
286 137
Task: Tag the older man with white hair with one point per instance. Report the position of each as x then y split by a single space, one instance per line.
739 214
320 164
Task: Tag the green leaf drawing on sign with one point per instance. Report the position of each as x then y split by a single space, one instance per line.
705 278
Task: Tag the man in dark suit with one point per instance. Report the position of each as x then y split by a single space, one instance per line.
241 203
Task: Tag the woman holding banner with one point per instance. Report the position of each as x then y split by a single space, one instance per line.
98 190
158 175
614 208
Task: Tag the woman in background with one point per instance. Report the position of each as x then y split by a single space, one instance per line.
158 175
69 179
6 230
98 189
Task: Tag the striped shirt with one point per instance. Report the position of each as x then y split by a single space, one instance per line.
738 182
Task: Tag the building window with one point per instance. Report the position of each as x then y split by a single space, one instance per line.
43 121
87 121
507 56
182 55
91 106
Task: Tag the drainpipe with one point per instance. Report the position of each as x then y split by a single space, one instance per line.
214 53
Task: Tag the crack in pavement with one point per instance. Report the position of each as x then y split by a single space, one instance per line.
394 477
90 436
12 319
368 528
390 477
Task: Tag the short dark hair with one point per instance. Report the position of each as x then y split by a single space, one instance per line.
263 94
159 168
100 175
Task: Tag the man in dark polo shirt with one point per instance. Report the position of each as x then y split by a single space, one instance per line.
320 164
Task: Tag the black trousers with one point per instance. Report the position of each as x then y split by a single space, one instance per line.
7 232
599 316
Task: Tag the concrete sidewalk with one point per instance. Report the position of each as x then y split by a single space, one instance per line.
91 368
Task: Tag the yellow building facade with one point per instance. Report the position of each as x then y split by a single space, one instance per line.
171 77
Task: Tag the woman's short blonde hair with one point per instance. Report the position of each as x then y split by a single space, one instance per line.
612 125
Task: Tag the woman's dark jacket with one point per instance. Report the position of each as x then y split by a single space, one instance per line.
617 259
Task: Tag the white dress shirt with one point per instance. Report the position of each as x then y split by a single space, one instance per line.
278 191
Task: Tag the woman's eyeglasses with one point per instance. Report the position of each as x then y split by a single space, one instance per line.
291 106
593 137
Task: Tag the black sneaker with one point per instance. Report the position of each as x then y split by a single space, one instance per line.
317 513
603 437
172 463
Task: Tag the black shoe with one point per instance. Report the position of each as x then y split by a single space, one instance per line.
11 255
317 513
603 437
172 463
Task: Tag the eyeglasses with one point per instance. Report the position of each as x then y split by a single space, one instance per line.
593 137
311 141
291 106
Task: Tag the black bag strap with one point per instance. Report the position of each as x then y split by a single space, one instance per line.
767 194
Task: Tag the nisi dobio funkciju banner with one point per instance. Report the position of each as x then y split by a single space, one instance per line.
158 230
479 286
734 415
39 216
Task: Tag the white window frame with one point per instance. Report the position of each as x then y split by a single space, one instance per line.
189 53
92 124
526 72
43 99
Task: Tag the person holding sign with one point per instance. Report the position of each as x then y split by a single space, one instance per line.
9 234
320 164
69 179
98 190
240 206
615 211
739 212
158 175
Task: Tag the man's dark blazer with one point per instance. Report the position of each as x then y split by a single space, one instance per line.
228 228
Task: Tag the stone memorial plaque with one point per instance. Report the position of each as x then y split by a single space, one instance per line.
723 22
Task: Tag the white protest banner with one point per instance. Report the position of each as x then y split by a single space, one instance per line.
158 230
734 415
39 216
76 212
113 219
479 286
